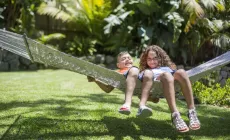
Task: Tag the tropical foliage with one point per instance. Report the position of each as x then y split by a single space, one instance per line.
84 17
18 16
180 27
183 28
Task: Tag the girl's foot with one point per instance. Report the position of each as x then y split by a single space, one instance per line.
194 122
179 123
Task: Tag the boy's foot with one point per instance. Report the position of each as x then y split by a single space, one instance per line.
179 123
194 123
144 112
124 110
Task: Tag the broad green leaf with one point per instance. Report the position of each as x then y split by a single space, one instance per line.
144 9
50 37
220 7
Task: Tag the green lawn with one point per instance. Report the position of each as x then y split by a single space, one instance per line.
58 104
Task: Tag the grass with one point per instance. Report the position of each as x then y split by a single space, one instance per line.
58 104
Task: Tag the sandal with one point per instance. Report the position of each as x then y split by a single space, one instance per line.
179 123
194 123
124 110
144 112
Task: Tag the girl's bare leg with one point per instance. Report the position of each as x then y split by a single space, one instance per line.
146 87
168 89
183 79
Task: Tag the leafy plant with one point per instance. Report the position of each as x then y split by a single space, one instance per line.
1 17
214 95
83 17
45 39
179 27
139 22
81 46
19 16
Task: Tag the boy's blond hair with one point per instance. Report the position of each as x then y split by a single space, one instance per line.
121 54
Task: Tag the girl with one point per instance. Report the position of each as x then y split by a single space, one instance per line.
156 65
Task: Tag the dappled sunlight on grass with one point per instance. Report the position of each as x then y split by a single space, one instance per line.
58 104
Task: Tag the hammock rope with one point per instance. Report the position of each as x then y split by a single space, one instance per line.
37 52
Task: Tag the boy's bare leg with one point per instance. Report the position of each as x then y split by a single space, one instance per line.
130 85
146 86
182 77
168 89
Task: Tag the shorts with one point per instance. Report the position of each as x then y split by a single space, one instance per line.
127 72
156 73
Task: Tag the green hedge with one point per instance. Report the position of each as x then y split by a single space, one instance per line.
214 94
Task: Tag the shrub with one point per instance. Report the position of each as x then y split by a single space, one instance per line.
214 95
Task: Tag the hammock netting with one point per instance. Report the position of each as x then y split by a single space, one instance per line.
37 52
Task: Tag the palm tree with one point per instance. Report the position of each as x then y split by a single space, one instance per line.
84 17
169 24
201 26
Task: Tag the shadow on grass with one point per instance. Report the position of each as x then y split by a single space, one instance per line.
113 99
118 128
215 124
44 128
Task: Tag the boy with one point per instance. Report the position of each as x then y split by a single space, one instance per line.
126 68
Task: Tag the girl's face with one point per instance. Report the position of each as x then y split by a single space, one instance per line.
125 61
152 60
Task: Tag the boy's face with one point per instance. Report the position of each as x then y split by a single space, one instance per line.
152 59
125 61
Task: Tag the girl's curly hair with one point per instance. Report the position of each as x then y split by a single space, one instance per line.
163 58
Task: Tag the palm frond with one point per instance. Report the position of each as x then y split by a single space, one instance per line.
216 26
221 40
190 22
51 10
192 6
212 4
209 4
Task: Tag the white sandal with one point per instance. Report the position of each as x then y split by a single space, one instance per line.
194 122
179 123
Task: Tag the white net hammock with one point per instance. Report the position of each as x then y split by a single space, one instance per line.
37 52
